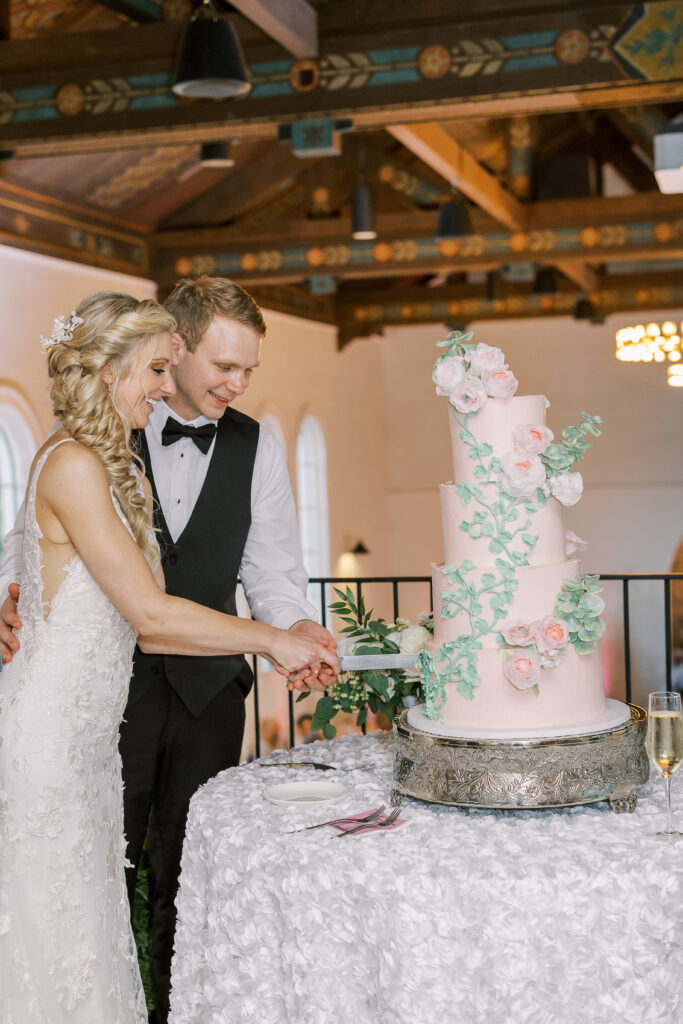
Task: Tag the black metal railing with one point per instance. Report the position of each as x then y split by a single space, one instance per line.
358 583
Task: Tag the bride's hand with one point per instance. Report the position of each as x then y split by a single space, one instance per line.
312 663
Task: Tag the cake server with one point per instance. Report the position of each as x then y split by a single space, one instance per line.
360 662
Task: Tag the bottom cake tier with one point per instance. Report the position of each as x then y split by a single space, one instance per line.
569 694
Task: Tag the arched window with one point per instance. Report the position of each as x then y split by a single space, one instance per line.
311 490
17 448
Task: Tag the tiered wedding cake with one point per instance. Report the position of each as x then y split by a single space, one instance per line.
517 624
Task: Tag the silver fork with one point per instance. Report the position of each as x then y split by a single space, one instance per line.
339 821
389 820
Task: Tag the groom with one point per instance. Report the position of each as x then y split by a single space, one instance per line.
224 508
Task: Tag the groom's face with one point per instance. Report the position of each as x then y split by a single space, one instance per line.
217 372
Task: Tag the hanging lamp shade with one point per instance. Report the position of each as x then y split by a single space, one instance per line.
215 154
210 64
454 220
362 215
545 282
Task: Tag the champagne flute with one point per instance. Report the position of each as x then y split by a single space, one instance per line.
665 743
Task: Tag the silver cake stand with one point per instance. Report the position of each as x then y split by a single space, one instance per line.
516 774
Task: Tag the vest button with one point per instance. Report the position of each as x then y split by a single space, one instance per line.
172 559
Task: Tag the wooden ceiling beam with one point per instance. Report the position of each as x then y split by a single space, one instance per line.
433 145
584 231
440 151
366 312
139 11
105 90
291 23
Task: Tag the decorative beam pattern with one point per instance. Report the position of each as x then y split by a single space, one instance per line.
369 314
28 221
105 90
587 230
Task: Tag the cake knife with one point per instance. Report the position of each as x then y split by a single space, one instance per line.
361 662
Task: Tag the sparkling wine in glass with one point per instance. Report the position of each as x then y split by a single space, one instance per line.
665 743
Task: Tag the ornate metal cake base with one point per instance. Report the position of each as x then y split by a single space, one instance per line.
522 774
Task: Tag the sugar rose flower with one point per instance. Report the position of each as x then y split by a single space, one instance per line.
522 474
552 635
567 488
573 543
522 669
469 396
532 438
500 383
448 373
485 357
518 632
413 639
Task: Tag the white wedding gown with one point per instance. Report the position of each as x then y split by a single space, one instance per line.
67 954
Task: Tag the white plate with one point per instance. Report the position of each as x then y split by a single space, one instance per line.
306 793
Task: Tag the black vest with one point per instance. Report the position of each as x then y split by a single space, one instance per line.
203 564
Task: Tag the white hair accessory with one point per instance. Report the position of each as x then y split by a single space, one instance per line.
63 330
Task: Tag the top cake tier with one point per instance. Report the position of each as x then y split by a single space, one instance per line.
494 424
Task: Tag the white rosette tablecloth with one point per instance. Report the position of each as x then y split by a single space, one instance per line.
476 917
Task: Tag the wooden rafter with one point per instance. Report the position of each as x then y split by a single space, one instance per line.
444 154
291 23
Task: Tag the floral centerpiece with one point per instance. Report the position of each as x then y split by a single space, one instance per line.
371 690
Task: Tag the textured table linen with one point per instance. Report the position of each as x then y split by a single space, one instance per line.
476 917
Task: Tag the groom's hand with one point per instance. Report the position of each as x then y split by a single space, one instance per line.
9 621
307 679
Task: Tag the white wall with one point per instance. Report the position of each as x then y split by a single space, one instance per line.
33 291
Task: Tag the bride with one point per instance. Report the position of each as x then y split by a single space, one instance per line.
91 588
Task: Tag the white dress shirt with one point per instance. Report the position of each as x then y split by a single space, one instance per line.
272 570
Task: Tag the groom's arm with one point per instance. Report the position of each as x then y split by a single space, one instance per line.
272 569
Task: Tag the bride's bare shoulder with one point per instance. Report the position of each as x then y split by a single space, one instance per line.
74 463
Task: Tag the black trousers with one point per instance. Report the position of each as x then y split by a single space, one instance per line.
167 754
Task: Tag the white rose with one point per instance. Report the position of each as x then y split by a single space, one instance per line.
485 357
522 474
469 396
448 373
567 488
413 639
573 543
500 383
394 636
532 438
346 645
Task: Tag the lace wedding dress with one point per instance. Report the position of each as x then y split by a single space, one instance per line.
67 954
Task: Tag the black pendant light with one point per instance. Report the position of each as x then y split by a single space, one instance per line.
362 214
545 282
454 220
215 154
211 64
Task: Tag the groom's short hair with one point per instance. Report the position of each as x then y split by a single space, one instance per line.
194 302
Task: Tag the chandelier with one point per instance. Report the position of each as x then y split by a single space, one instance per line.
653 343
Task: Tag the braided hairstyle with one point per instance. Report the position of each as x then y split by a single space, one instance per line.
114 329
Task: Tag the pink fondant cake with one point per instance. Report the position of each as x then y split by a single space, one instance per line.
516 642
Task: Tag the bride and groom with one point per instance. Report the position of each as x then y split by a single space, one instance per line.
95 577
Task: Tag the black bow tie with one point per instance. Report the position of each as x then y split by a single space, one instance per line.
202 436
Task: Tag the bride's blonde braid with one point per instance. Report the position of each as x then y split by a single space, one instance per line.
114 327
